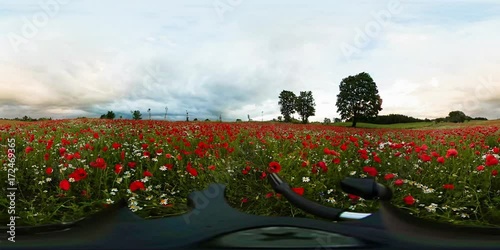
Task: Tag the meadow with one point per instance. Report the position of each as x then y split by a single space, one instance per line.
69 169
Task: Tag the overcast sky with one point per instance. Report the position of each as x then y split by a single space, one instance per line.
69 58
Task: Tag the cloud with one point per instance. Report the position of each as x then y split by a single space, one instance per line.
133 55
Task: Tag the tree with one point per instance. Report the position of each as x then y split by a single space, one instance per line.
287 103
327 121
358 98
136 115
280 118
304 105
110 115
456 116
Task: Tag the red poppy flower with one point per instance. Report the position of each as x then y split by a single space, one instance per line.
371 171
136 185
131 164
451 153
118 168
480 168
399 182
299 190
448 186
491 160
147 174
64 185
49 170
269 195
274 167
496 150
28 149
409 200
425 158
494 172
353 197
191 170
389 176
440 159
79 174
263 175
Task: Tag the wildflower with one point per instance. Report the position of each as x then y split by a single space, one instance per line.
398 182
299 190
274 167
147 174
118 168
64 185
491 160
305 179
409 200
136 185
164 202
431 208
370 171
451 153
440 159
389 176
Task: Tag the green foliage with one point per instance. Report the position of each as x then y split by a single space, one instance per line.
456 117
304 105
327 121
110 115
287 103
358 98
136 115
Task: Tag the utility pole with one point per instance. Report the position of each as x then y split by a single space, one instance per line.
262 115
166 110
149 111
187 116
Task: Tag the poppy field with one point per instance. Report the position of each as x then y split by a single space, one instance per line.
68 169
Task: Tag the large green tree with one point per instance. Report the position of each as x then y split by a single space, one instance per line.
456 116
287 103
136 115
358 98
305 105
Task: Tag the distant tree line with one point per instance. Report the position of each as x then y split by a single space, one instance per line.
29 119
391 119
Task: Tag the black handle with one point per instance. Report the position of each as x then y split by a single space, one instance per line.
308 206
367 188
